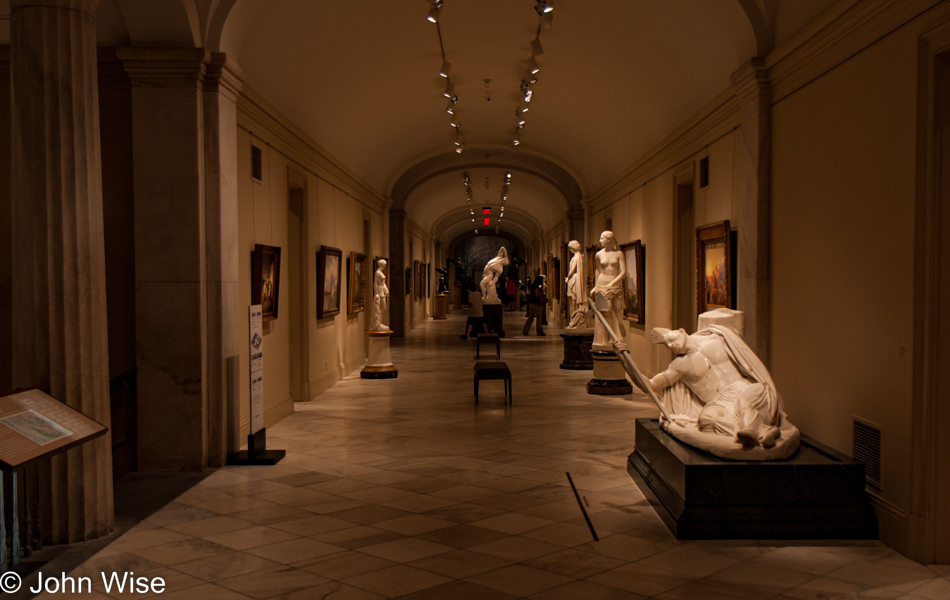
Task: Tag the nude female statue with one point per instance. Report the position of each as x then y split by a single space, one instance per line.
380 297
610 269
575 285
493 270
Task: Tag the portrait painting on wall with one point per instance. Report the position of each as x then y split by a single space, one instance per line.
329 274
591 250
356 283
713 276
633 295
417 277
408 280
265 273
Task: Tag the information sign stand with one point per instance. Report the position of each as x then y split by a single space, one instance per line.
257 452
34 425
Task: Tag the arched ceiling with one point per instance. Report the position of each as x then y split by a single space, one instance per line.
361 78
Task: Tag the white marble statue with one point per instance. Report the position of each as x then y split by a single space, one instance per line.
610 269
576 288
718 394
380 298
493 270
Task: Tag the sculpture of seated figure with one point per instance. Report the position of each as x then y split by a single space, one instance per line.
493 270
380 298
719 395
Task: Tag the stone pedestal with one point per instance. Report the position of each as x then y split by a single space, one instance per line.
609 377
818 493
379 361
577 355
494 318
441 306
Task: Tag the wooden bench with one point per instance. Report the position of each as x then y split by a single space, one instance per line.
487 338
494 369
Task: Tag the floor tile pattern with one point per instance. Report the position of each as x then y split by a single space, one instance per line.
405 489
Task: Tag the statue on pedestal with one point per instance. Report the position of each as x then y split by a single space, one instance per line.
610 269
718 394
576 283
380 298
493 270
443 287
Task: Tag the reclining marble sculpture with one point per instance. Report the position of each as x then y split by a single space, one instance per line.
718 394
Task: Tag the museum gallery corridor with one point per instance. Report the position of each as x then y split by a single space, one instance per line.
404 489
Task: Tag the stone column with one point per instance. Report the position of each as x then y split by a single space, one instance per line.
221 88
397 272
59 287
173 250
575 227
585 205
753 202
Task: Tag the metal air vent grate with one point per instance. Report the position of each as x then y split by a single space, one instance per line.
257 163
867 449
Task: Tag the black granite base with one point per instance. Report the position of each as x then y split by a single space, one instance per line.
816 494
609 387
577 351
380 374
494 318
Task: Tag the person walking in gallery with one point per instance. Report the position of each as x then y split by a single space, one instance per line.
535 308
476 316
511 289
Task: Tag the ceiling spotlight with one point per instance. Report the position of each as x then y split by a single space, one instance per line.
527 96
446 67
519 111
433 16
536 49
458 149
449 91
521 124
544 6
450 109
515 142
508 175
455 123
533 66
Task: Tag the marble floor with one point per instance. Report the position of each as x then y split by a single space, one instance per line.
405 489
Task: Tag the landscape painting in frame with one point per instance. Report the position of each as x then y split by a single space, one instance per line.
265 278
356 289
329 273
633 290
713 276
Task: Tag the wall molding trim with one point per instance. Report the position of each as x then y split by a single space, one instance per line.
257 116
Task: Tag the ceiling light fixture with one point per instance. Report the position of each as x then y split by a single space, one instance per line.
433 16
450 109
446 67
533 66
450 91
544 6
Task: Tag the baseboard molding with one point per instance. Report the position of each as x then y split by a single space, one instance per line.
273 414
893 523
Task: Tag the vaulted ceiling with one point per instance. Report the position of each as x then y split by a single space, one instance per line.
362 79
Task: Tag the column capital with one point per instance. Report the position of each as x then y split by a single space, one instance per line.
223 76
751 80
84 6
387 204
165 67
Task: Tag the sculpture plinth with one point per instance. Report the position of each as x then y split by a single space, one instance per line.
609 377
441 306
379 362
494 318
577 350
817 494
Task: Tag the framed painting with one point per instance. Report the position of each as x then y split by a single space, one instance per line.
265 280
417 278
713 272
633 282
590 250
408 281
329 276
356 284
